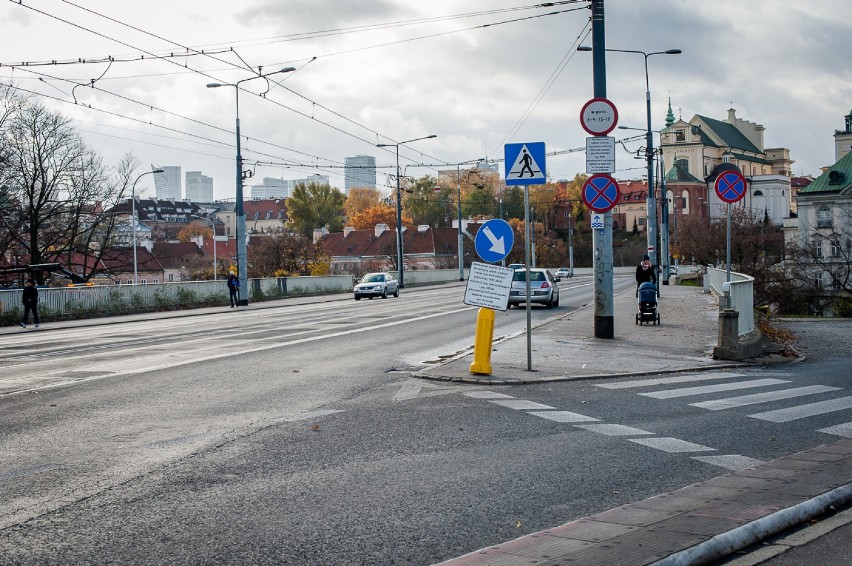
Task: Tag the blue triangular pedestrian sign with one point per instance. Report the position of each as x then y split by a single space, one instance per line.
525 163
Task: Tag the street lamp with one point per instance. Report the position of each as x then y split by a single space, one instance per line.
399 204
242 261
649 150
213 227
133 214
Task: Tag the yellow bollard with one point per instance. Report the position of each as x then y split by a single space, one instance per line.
482 345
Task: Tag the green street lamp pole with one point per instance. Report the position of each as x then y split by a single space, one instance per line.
399 204
242 260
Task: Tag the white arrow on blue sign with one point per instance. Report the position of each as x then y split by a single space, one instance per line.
494 240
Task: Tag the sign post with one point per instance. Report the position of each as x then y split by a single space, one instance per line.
731 187
520 159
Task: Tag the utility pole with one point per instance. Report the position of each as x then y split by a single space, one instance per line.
602 239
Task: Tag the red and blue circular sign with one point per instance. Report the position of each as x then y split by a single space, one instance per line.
601 192
730 186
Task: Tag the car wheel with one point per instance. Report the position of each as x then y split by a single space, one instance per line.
396 293
357 298
556 304
385 293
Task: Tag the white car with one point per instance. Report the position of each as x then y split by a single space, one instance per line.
376 285
564 272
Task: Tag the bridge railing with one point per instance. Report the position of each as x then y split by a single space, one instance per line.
742 295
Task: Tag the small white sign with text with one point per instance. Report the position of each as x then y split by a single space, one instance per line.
488 286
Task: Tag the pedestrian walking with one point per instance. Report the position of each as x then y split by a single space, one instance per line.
30 300
233 289
645 273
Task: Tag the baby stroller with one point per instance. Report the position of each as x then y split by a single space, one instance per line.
647 293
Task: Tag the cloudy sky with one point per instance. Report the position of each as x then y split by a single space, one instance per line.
478 75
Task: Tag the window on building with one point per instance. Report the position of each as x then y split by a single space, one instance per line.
835 281
227 230
684 201
268 214
757 193
817 248
171 277
835 249
680 135
682 165
818 281
823 217
641 221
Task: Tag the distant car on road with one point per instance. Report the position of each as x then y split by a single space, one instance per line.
516 266
564 272
376 285
543 288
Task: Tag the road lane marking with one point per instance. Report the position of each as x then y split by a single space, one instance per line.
671 445
488 395
757 398
665 380
805 411
734 462
520 404
613 429
563 416
408 391
687 391
844 429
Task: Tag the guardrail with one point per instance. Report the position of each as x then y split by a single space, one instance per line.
104 300
741 292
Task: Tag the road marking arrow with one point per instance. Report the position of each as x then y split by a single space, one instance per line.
498 245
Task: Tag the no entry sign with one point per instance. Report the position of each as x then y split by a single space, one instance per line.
601 192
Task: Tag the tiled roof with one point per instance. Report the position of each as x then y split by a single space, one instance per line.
120 260
364 243
730 135
836 179
173 254
678 175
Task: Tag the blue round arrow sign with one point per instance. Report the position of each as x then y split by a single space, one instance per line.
730 186
494 240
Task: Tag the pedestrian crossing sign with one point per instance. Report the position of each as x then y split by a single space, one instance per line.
525 163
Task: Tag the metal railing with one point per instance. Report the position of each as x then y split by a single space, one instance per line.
741 295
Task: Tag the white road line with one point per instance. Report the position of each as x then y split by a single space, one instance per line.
665 380
488 395
520 404
408 391
563 416
613 429
804 411
756 398
687 391
733 462
673 445
844 429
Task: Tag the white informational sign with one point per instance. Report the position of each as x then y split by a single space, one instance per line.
597 222
488 286
600 154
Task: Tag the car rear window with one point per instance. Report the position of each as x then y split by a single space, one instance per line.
521 275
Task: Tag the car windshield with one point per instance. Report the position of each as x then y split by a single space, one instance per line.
521 275
373 278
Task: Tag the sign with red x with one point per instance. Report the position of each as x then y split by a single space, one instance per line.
601 192
730 186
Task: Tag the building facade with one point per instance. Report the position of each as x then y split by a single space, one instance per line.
272 188
167 183
199 188
360 173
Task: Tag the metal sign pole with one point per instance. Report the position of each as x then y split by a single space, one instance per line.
527 268
728 268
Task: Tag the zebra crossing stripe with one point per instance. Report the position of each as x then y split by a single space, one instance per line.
520 404
613 429
667 380
672 445
733 462
757 398
563 416
687 391
804 411
487 395
844 429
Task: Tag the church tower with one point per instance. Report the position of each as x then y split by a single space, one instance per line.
843 139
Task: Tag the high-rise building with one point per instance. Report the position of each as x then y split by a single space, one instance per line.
272 187
199 188
360 173
316 178
167 183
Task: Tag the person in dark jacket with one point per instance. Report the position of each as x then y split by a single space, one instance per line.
645 273
30 300
233 289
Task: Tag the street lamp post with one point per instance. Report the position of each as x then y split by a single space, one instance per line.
215 257
133 215
399 204
242 260
651 230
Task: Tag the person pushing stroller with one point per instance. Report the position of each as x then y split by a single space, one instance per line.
645 273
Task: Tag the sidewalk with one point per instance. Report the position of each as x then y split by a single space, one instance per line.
698 524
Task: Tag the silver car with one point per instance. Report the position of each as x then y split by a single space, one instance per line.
543 288
564 272
376 285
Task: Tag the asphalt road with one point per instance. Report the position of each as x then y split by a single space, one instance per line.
294 435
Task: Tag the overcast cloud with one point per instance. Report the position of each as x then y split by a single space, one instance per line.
782 64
